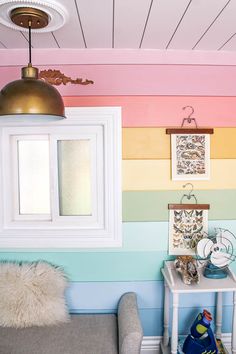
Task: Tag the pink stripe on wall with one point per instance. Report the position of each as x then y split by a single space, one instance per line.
126 80
165 111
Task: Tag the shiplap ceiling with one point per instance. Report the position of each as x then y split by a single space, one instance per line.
147 24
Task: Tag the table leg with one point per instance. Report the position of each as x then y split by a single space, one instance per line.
218 314
166 315
234 326
174 335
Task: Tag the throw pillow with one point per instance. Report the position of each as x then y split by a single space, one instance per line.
32 294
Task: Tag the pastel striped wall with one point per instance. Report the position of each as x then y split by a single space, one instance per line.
99 277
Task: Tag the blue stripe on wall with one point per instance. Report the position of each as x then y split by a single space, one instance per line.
80 295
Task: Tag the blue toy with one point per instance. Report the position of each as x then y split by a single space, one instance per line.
201 340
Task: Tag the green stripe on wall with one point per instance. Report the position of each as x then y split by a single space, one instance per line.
153 205
91 266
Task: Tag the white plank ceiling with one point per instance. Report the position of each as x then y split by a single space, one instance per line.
208 25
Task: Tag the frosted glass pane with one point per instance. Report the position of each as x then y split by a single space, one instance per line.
33 166
74 162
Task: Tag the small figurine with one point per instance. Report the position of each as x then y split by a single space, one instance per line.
201 340
187 267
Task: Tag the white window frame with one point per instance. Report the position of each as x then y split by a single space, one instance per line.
104 227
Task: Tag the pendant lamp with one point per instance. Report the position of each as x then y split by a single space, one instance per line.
30 95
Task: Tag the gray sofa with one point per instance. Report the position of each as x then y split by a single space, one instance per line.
84 334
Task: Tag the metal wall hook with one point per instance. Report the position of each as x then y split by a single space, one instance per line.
191 113
190 194
189 119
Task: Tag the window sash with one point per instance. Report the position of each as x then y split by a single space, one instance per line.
75 174
14 139
54 220
97 183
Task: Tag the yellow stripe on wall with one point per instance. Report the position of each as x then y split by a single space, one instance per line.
149 175
154 143
223 143
145 143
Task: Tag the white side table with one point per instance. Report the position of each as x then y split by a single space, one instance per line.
174 284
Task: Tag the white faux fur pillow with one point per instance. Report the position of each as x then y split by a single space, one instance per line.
32 294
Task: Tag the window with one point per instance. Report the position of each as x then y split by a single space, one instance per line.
61 184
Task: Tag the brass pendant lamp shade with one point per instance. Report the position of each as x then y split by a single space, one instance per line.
30 95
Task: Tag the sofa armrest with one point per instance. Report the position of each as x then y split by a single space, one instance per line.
129 325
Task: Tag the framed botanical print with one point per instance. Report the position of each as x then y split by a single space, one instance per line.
190 154
188 224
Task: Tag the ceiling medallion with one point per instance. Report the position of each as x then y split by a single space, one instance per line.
56 13
29 95
55 77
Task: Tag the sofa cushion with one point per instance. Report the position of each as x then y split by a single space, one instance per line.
84 334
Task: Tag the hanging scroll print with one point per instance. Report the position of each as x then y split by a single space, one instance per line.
188 224
190 150
190 156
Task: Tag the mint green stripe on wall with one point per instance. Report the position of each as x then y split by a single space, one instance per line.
100 266
153 205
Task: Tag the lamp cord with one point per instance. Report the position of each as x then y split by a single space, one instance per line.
30 58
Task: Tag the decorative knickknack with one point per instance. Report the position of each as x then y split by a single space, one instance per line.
187 267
